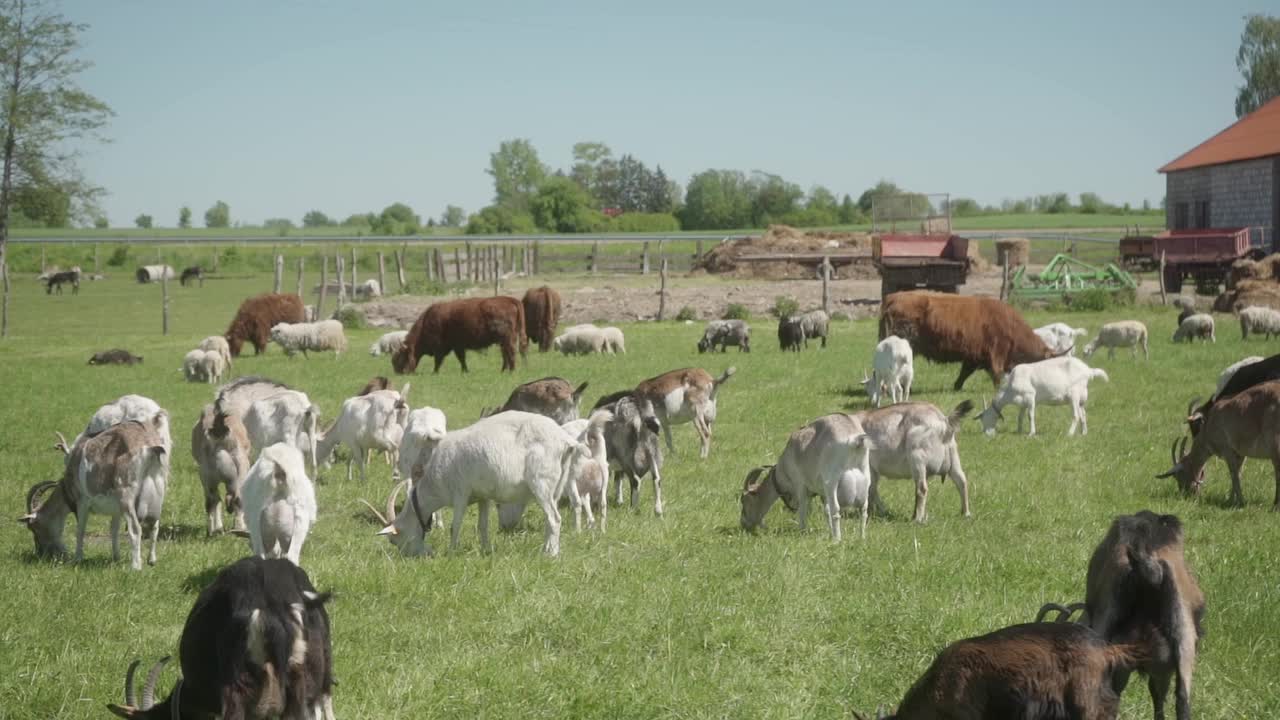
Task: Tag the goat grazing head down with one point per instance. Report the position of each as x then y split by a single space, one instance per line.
46 517
1190 478
145 707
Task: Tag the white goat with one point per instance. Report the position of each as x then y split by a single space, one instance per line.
892 367
1231 369
1195 326
512 457
279 503
218 344
1056 381
220 447
426 428
389 343
589 475
1124 333
368 422
1259 320
1061 337
286 416
124 408
614 342
316 337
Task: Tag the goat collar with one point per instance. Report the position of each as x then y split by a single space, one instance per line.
417 509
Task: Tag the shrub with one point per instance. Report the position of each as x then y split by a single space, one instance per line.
686 313
736 311
785 306
351 317
119 256
1099 300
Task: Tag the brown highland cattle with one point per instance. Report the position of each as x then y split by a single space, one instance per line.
456 326
977 332
257 315
542 315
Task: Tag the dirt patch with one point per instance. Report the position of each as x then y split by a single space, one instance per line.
724 258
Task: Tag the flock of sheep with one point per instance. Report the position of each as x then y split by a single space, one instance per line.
259 444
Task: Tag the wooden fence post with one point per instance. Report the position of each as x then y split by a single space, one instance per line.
826 279
467 248
662 292
439 259
400 261
4 311
279 275
1163 298
595 257
324 286
497 274
382 273
430 262
164 301
353 273
644 259
537 256
215 258
342 285
301 262
697 253
457 266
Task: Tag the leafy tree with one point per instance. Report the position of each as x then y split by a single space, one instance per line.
453 216
662 194
41 204
821 198
517 172
1258 60
1092 204
278 224
587 160
42 111
143 221
772 198
1146 205
496 219
365 219
101 222
184 217
315 218
850 213
561 205
218 216
867 198
965 207
717 200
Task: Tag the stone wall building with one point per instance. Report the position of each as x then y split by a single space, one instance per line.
1230 180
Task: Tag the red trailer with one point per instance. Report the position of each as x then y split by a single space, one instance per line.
1204 255
920 261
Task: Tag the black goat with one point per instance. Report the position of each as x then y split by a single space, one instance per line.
115 357
55 281
195 272
255 645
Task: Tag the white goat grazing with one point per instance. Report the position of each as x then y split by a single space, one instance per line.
1195 326
1259 321
124 408
368 422
426 428
1061 337
286 417
509 458
1056 381
614 342
389 343
279 503
589 475
1231 369
193 368
316 337
218 344
821 457
1124 333
891 367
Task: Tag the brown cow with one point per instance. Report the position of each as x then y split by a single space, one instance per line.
977 332
257 315
542 315
456 326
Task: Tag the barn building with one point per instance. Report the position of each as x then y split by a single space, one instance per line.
1230 180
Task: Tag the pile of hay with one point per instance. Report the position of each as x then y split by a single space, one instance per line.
1012 252
722 259
1268 268
1249 292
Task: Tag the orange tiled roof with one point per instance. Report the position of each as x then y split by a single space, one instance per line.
1253 136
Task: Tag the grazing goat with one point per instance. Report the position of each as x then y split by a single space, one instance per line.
1124 333
1244 377
790 334
389 344
551 396
121 472
220 446
1139 586
218 344
632 445
681 396
287 416
193 273
425 429
1057 381
723 333
1061 337
235 397
915 440
1244 425
320 336
457 326
55 281
1195 326
256 317
115 357
124 408
1034 671
366 423
1225 376
582 340
513 457
828 456
1259 321
589 475
542 315
279 503
256 645
978 332
892 366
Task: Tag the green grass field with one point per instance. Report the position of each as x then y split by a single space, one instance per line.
683 616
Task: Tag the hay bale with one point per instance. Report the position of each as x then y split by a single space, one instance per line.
977 263
1249 292
1012 252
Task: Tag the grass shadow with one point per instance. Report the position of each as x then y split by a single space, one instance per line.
201 580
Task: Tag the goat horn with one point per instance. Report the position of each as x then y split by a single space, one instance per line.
1173 451
175 701
375 512
391 500
149 690
130 697
1191 406
62 444
1182 449
35 491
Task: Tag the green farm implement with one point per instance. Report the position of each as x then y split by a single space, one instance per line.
1065 276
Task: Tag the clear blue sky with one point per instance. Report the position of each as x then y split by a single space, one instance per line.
281 106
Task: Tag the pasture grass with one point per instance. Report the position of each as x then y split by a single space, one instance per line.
684 616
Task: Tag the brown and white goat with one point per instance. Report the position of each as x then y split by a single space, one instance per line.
681 396
220 447
550 396
1246 425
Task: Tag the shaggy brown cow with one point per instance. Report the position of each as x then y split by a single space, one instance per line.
542 315
256 316
457 326
977 332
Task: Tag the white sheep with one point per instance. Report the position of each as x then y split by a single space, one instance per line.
303 337
368 422
218 344
1231 369
1056 381
1259 320
1123 333
368 290
1195 326
212 366
892 368
279 503
614 342
389 343
581 341
193 366
1061 337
